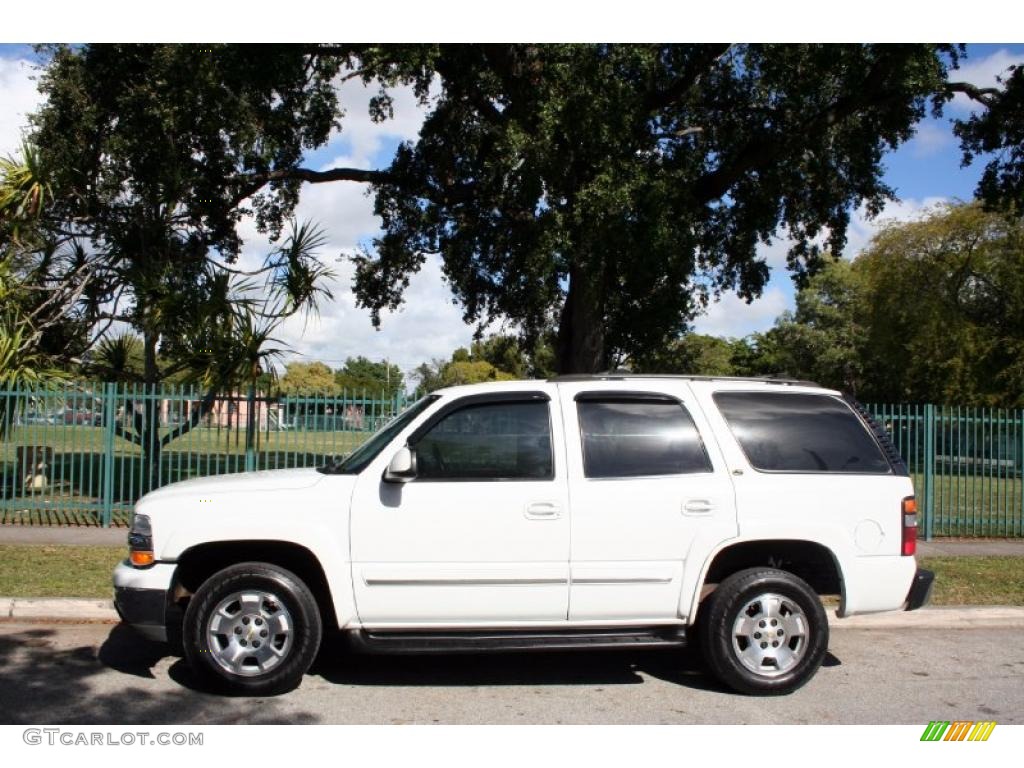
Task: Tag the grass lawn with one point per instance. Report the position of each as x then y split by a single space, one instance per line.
44 571
976 580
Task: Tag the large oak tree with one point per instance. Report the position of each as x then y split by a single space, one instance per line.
608 191
613 189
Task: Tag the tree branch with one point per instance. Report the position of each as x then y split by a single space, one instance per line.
123 433
690 76
194 417
680 134
764 148
249 184
986 96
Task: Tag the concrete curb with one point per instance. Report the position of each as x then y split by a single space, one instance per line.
947 617
58 609
951 617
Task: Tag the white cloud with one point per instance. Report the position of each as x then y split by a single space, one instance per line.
19 96
982 73
365 138
862 228
930 138
428 325
730 316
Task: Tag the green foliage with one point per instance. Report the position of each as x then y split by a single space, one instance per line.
153 151
614 189
457 371
943 300
297 275
468 372
313 378
21 364
118 358
141 134
362 374
496 358
932 311
997 134
693 354
825 339
25 190
34 314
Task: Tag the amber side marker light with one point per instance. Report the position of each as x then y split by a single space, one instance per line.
140 541
141 558
909 506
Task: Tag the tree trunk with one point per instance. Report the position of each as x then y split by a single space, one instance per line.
581 333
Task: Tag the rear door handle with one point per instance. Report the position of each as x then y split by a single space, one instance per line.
698 507
543 510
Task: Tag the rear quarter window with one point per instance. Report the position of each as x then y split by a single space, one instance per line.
800 432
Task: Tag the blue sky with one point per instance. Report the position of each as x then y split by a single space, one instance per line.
924 171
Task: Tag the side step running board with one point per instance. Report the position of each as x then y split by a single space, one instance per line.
377 641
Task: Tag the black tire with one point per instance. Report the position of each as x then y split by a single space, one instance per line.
733 654
273 597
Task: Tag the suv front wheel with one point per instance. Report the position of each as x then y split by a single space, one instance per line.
252 628
764 631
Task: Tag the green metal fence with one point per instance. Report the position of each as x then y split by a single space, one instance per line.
83 454
967 465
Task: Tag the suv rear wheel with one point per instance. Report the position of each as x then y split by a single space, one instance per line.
253 628
764 631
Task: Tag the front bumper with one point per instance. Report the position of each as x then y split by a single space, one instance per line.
920 589
141 597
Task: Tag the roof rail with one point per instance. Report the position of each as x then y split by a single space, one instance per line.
623 375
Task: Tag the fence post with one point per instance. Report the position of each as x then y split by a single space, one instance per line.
929 470
109 418
1019 527
250 425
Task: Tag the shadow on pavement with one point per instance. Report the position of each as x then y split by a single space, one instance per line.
43 683
338 664
114 682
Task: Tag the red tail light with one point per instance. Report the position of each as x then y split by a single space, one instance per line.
909 526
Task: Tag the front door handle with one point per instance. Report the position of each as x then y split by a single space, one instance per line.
543 510
698 507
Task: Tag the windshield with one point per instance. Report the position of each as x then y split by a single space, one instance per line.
367 452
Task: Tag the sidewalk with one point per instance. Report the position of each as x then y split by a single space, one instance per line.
971 548
53 534
116 537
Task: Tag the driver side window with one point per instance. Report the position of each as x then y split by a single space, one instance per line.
488 441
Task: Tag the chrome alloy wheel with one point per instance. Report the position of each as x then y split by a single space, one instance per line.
249 632
770 635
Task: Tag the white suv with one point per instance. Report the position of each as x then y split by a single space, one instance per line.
581 512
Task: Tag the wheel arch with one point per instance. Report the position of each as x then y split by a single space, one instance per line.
200 561
813 561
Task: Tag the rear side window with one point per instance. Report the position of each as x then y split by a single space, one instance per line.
625 437
790 432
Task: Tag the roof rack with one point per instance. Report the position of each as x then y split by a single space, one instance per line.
622 375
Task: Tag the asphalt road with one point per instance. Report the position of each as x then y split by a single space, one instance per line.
79 674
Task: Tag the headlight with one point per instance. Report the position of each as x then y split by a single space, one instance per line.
140 541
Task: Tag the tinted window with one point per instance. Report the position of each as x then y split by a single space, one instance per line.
627 438
494 441
800 433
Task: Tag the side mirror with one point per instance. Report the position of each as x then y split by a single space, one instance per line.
402 467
